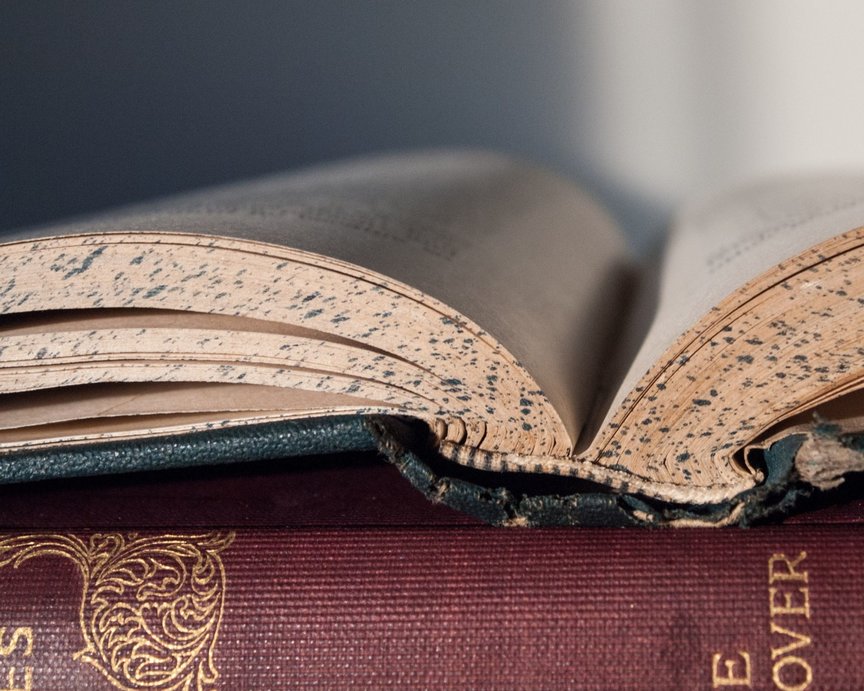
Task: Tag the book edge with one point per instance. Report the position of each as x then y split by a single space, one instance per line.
400 444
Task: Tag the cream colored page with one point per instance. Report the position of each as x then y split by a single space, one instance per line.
718 246
521 252
117 400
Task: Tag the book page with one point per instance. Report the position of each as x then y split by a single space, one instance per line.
717 247
521 252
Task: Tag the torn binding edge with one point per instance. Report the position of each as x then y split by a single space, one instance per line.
789 467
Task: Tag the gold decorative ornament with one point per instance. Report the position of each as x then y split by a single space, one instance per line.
151 606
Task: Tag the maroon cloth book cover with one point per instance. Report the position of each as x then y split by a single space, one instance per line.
456 607
336 574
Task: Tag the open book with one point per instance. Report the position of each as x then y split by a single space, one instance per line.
491 301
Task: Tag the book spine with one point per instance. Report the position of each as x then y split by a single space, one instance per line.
464 607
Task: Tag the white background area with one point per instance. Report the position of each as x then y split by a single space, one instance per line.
674 98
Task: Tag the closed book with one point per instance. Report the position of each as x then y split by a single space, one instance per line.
461 607
336 574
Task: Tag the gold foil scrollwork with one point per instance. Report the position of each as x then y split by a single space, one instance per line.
151 606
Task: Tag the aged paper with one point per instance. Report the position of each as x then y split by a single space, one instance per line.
520 252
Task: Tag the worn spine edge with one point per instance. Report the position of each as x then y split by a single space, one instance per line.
779 494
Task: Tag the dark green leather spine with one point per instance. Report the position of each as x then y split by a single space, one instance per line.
405 447
216 446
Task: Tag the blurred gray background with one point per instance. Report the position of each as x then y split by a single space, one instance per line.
648 103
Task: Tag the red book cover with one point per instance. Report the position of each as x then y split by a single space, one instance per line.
260 581
457 607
